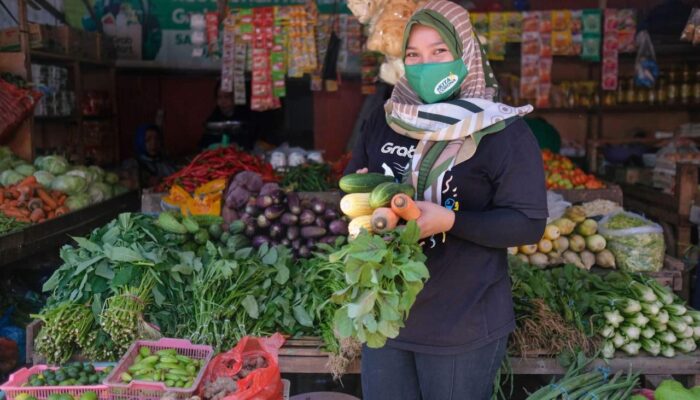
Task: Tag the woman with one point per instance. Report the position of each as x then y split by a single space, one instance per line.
480 187
153 167
226 110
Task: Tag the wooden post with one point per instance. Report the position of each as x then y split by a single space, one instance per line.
686 189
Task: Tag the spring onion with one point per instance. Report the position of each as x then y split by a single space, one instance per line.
676 309
667 351
685 345
632 348
667 337
648 332
652 346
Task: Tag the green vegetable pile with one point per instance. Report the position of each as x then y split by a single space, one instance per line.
73 374
166 366
9 225
637 244
89 395
383 275
673 390
310 177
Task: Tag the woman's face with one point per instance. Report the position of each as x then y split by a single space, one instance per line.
224 100
425 46
152 142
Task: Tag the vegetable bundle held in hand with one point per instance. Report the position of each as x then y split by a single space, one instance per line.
383 275
217 163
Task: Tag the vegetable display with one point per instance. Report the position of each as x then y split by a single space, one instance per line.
217 163
310 177
29 202
9 225
561 173
637 243
73 374
89 395
165 366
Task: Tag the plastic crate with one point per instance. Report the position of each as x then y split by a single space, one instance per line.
13 387
155 390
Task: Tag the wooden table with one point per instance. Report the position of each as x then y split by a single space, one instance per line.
303 356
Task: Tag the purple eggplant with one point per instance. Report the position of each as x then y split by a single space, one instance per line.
263 201
277 197
249 180
293 203
307 217
329 240
320 222
237 198
274 212
262 221
296 244
338 227
252 210
250 230
289 219
292 232
312 232
318 206
304 252
286 242
310 243
229 215
260 240
269 188
276 230
330 214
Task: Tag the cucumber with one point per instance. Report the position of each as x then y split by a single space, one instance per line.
383 193
168 222
362 183
191 225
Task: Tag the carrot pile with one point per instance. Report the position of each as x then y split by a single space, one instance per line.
28 201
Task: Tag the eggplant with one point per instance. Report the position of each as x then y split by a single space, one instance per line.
307 217
330 214
320 222
312 232
259 240
252 210
318 206
276 230
286 242
329 240
277 197
269 188
274 212
289 219
250 230
229 215
237 198
263 201
292 232
249 180
293 203
338 227
304 252
262 221
296 244
310 243
274 242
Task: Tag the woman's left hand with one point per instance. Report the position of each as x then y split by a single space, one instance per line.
434 219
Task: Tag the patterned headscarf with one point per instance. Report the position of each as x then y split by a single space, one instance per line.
448 132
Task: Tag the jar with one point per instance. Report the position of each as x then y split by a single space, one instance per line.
672 90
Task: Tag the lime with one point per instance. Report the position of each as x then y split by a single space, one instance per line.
89 396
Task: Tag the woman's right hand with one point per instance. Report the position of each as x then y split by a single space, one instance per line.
362 170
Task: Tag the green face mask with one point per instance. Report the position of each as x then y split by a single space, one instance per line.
437 81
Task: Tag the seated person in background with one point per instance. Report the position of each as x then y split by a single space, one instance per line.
226 110
153 166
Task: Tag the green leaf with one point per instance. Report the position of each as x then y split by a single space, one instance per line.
387 311
363 305
369 248
123 276
121 254
176 277
88 245
110 237
409 295
411 233
183 269
342 323
389 329
104 270
243 253
52 282
270 257
98 285
282 274
251 306
413 271
263 249
375 340
302 316
80 268
158 296
370 323
97 304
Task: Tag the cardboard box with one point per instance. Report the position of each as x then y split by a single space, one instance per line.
79 43
105 48
41 37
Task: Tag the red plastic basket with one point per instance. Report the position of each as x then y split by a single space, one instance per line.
155 390
13 387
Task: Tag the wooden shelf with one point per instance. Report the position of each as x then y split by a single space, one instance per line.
59 118
65 58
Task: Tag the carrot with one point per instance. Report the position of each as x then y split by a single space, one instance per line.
404 207
14 192
61 210
16 213
46 198
50 214
37 215
384 219
62 199
29 181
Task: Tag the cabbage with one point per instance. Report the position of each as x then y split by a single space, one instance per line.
97 173
44 178
111 178
78 201
99 191
25 169
10 177
5 152
120 189
57 165
69 184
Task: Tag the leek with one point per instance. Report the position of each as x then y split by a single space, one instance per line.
686 345
676 309
639 320
619 340
667 351
651 308
677 324
643 293
632 332
632 348
648 332
651 346
608 350
667 337
607 332
613 318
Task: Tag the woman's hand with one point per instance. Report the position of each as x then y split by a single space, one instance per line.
362 170
434 219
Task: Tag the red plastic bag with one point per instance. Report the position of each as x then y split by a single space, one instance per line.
262 383
16 104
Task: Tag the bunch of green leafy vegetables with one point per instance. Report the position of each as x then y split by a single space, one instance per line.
384 274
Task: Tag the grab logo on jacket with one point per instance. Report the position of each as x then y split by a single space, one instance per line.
401 151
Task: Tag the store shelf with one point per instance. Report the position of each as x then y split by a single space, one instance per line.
65 58
52 234
63 118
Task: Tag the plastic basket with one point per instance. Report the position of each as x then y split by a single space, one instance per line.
155 390
13 387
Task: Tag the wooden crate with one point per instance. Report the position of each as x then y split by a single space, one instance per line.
629 175
676 275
